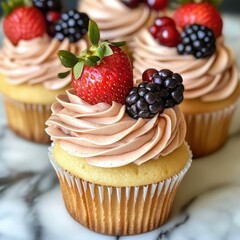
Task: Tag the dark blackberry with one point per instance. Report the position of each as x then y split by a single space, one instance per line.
72 25
144 101
198 41
171 87
48 5
52 11
149 98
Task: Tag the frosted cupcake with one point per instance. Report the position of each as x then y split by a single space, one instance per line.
207 66
119 158
122 19
29 67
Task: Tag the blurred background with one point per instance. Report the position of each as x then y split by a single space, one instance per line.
68 3
229 6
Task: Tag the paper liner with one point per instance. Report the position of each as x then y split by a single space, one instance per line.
118 210
207 132
27 120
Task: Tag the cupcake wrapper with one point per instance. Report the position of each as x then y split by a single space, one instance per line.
206 133
118 210
28 120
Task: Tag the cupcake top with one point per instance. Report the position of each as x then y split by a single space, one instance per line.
118 19
210 79
110 122
193 44
107 136
34 61
29 52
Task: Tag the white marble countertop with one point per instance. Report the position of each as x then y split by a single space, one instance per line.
207 205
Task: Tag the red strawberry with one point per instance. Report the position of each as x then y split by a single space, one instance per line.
23 23
103 73
201 13
109 81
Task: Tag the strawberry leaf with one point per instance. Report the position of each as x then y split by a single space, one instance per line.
63 75
89 62
108 51
82 54
100 51
93 32
118 44
77 69
94 58
67 59
5 8
10 5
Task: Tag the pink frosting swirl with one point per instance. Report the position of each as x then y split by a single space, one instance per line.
210 79
115 20
107 137
35 61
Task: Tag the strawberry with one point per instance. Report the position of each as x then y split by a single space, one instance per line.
102 73
109 81
22 22
201 13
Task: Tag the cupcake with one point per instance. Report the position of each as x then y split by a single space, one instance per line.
206 64
119 158
29 66
120 19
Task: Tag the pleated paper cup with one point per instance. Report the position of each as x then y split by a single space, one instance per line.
208 132
27 120
118 210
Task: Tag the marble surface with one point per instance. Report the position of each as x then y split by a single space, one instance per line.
207 205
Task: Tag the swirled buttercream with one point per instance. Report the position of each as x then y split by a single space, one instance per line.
35 61
116 20
107 137
209 79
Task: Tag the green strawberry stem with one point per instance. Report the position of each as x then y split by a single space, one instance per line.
9 5
216 3
90 57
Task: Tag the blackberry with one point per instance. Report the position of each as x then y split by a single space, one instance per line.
149 98
48 5
171 87
198 41
72 25
144 101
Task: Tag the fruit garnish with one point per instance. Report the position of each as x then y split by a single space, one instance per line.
164 21
152 4
160 22
53 16
168 36
22 22
215 3
102 73
154 30
165 31
148 74
48 5
171 87
131 3
200 13
72 25
151 98
157 4
51 9
198 41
